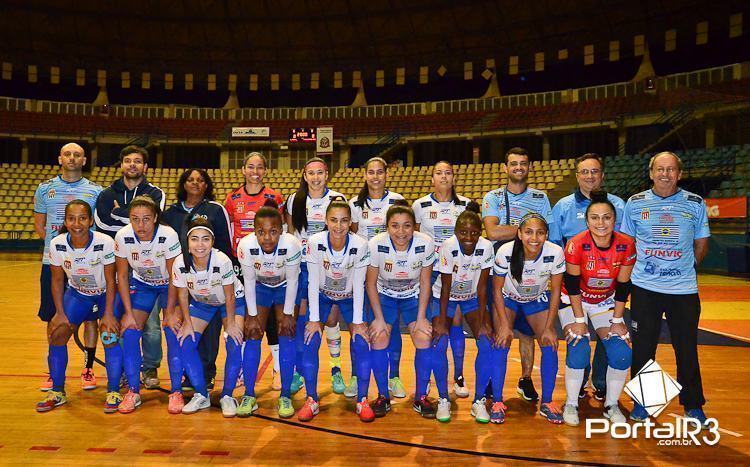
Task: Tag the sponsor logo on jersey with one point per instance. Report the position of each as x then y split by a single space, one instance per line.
666 217
664 254
537 195
381 249
645 214
217 270
99 247
425 204
419 249
162 239
321 247
129 241
282 251
586 247
548 259
620 248
60 248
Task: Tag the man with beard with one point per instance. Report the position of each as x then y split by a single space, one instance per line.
111 215
502 210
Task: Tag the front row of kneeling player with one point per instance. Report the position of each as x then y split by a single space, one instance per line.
371 284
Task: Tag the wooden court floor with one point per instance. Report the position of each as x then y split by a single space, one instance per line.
80 433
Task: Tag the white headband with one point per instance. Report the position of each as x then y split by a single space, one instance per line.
201 227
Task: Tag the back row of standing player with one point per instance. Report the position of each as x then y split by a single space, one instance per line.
398 278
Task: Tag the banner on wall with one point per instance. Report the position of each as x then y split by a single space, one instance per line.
723 208
324 143
251 132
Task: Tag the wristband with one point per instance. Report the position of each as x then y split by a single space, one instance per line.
580 320
617 320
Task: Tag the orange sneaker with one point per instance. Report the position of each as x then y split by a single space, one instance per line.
309 410
47 385
130 402
364 411
88 380
176 403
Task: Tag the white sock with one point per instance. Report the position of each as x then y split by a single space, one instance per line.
615 383
275 353
573 381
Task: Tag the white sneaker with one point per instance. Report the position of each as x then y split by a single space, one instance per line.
479 411
443 410
228 406
459 388
570 415
351 390
397 388
198 402
614 414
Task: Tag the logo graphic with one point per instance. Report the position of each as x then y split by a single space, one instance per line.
653 388
590 265
324 142
326 264
66 264
433 215
134 255
645 214
388 266
365 214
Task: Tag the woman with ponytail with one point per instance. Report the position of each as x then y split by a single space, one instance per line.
524 269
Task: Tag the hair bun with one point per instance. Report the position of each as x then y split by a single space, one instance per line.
598 195
473 206
271 203
400 202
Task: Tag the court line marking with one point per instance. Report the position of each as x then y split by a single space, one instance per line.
725 334
20 264
736 435
431 447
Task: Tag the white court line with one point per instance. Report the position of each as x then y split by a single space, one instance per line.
736 435
535 367
722 333
20 264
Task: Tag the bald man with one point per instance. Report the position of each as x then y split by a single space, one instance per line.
50 200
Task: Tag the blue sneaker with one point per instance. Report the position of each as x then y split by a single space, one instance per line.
697 414
297 383
638 414
551 412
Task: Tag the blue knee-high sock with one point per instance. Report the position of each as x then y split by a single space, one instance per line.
394 351
352 355
113 363
379 362
422 367
310 365
440 366
193 365
57 360
299 341
458 347
287 355
362 349
131 350
174 360
250 362
232 367
549 372
482 366
497 372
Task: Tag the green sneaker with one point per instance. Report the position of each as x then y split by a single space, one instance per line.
297 383
286 409
397 387
351 390
248 405
338 383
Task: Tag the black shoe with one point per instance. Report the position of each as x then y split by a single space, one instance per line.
600 394
488 392
187 385
582 393
526 389
381 406
211 383
424 407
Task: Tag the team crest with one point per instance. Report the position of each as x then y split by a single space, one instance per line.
257 265
433 215
51 194
645 214
388 266
190 284
365 215
66 264
134 255
590 265
326 264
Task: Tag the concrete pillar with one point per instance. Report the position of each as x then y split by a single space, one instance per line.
475 153
545 148
409 155
710 134
224 157
93 155
24 151
622 139
158 156
343 155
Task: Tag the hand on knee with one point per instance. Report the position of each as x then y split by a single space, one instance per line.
578 354
619 354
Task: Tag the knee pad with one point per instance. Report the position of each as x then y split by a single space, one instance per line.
578 356
108 338
619 355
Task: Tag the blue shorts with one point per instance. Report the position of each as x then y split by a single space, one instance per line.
467 306
207 312
143 297
302 285
46 303
79 308
523 310
269 296
346 307
392 308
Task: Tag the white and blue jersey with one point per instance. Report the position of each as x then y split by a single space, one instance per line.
664 230
536 273
206 287
316 215
569 216
84 267
371 219
510 208
438 220
52 196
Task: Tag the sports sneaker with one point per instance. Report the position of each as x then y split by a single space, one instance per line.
583 393
526 389
424 407
176 403
479 411
570 415
337 382
198 402
459 388
51 400
241 378
365 411
397 388
228 406
276 381
497 412
187 385
551 412
351 390
46 385
600 394
298 382
150 378
614 414
381 406
443 413
699 416
309 410
639 413
88 380
286 409
112 402
248 405
130 402
210 383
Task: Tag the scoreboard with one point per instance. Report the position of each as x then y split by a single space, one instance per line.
302 135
